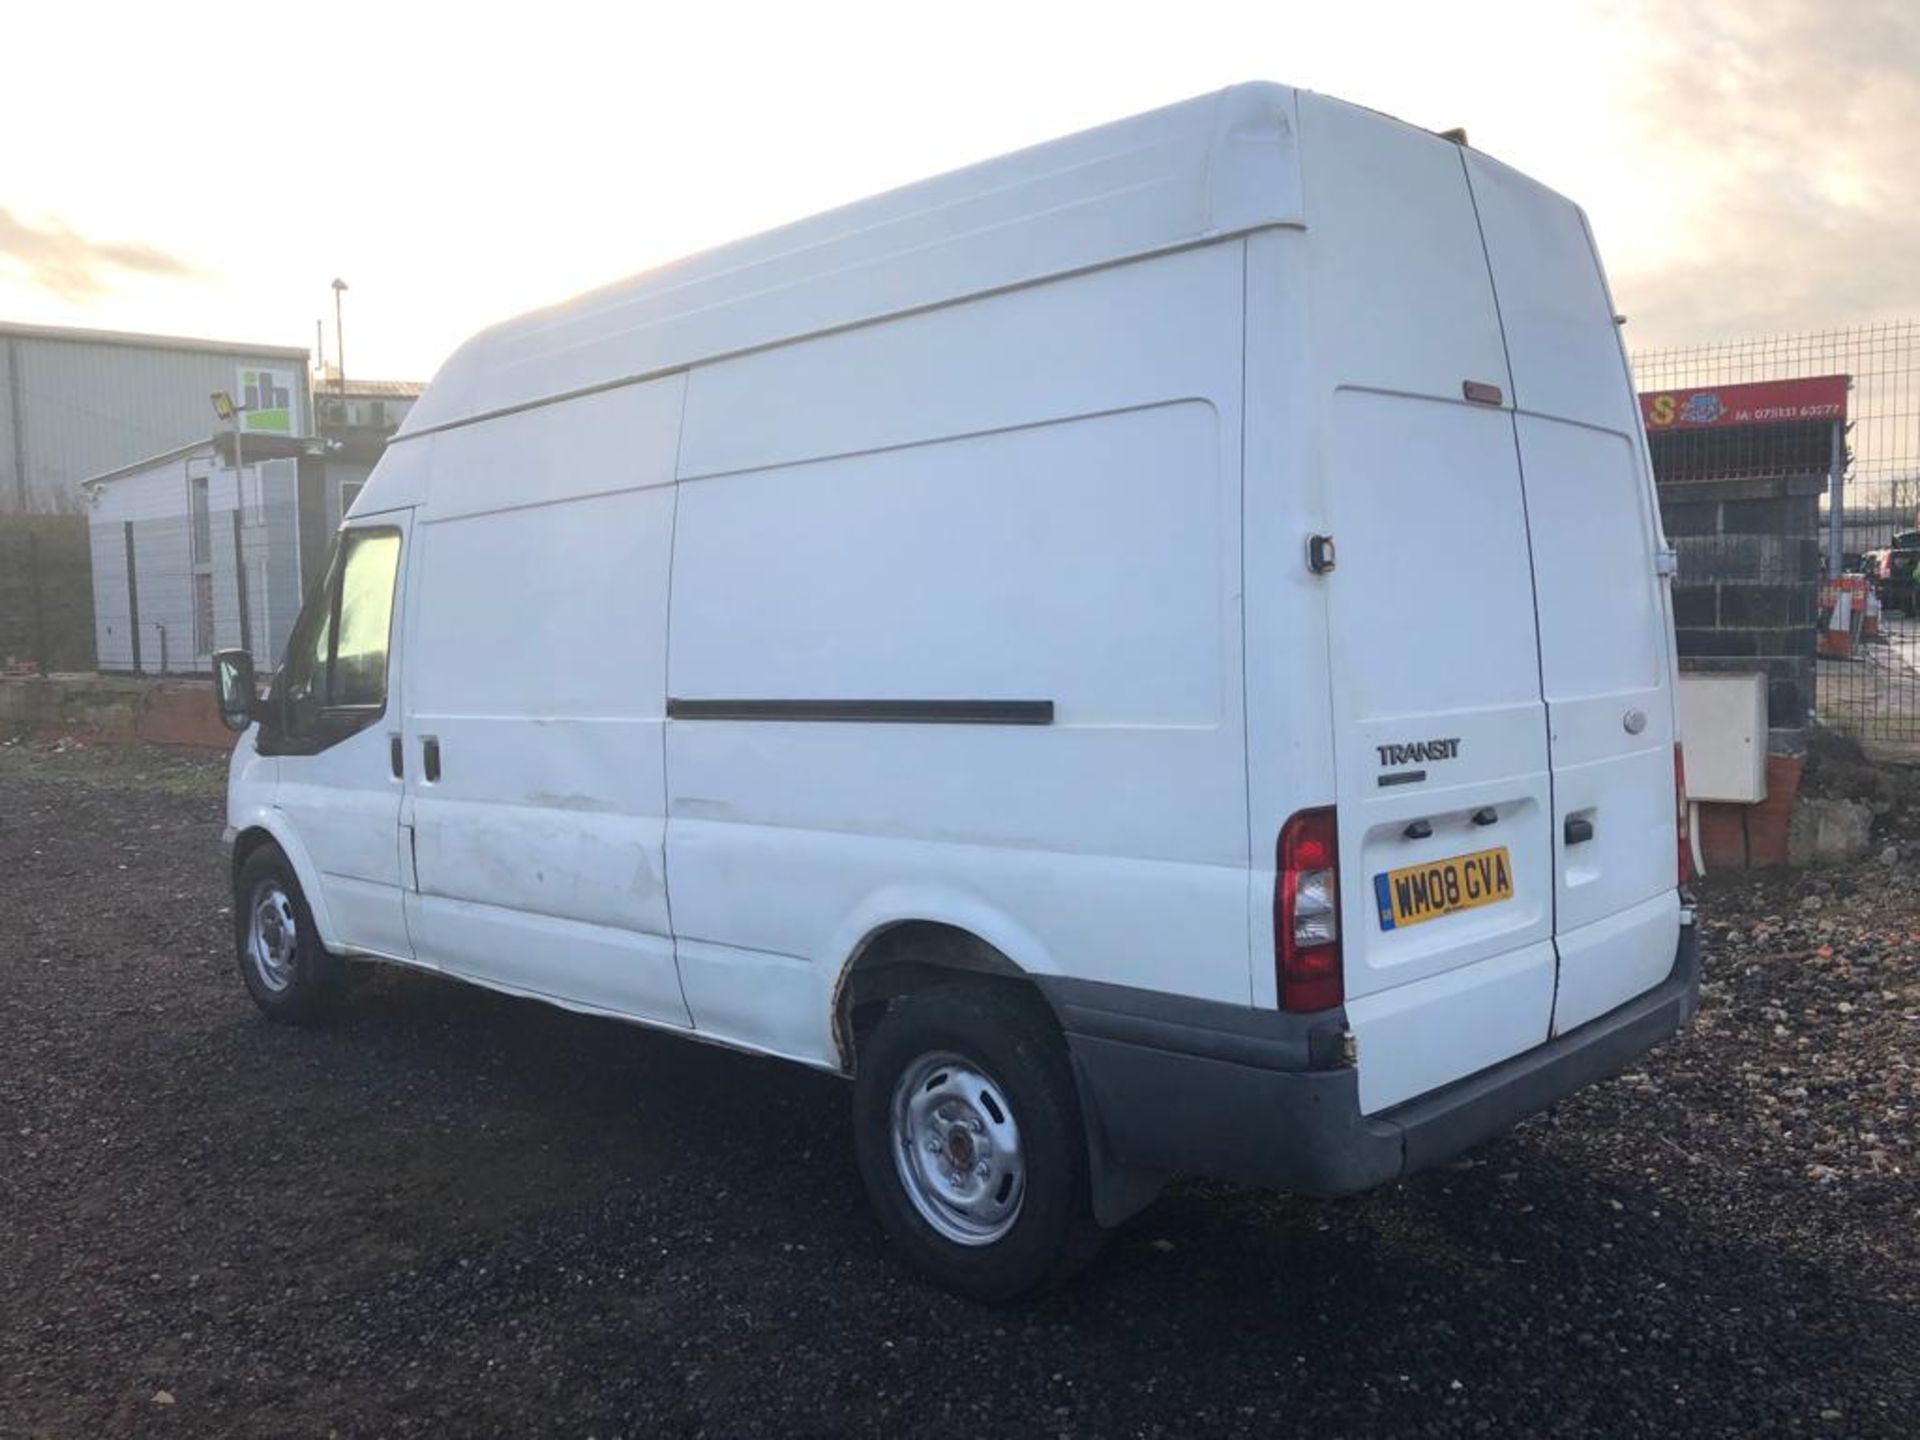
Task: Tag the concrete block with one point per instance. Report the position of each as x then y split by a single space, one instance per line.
1696 606
1828 832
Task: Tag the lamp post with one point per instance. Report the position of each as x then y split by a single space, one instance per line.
224 407
339 337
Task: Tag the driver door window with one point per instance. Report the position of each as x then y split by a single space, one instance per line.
336 675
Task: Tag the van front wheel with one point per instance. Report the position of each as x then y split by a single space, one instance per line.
970 1142
289 974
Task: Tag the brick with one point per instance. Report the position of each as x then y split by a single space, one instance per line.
1766 837
1784 773
1723 836
1768 822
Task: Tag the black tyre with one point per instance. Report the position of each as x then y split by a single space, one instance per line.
291 977
968 1132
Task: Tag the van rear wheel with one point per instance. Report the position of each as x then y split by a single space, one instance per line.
289 974
970 1142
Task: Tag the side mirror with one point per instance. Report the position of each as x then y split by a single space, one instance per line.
235 688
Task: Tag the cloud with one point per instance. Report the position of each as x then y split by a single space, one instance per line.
1786 129
69 265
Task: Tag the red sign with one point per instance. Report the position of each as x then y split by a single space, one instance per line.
1770 402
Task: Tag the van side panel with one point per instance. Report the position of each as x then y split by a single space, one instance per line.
1290 757
539 673
1030 497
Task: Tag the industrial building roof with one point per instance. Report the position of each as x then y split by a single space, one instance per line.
151 342
1220 165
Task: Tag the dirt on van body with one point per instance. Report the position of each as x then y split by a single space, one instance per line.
453 1213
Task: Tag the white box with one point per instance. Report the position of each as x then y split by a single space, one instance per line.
1723 729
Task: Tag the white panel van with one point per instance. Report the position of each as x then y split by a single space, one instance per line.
1150 655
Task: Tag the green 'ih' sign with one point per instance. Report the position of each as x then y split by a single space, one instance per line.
268 398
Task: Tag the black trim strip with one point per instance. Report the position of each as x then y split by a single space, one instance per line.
899 712
1403 777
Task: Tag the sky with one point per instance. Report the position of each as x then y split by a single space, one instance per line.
207 171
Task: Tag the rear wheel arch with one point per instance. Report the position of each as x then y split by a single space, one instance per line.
905 956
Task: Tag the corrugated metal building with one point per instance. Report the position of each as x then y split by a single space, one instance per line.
79 403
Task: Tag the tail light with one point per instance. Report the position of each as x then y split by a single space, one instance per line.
1682 826
1306 913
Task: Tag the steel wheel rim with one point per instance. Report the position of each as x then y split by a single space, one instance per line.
273 936
956 1148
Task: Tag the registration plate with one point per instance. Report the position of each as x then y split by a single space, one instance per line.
1416 894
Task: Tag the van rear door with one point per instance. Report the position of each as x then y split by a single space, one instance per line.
1602 611
1445 809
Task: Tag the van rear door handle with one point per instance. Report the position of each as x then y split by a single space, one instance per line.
1579 830
396 756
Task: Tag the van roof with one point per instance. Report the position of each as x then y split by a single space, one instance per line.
1218 165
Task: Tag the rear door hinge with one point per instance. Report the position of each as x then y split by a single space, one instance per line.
1666 561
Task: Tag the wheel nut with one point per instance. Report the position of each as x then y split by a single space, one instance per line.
933 1146
983 1169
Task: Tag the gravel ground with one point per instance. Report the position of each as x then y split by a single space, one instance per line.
457 1213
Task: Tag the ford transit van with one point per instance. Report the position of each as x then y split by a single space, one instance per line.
1149 655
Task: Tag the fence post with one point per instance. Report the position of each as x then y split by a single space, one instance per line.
39 605
133 595
1836 500
240 584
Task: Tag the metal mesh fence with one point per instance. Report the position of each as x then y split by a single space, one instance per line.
169 592
1779 569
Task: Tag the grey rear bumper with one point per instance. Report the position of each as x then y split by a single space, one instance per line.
1259 1098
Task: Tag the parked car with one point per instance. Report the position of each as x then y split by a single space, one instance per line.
963 642
1892 572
